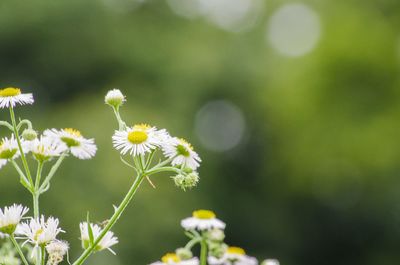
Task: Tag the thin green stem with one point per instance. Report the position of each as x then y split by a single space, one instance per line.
121 123
36 194
203 252
6 124
53 170
163 169
23 158
43 255
23 180
193 242
19 250
117 214
27 122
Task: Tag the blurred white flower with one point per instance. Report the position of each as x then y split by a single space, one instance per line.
138 140
182 153
270 262
39 232
233 256
45 148
202 220
10 218
173 259
73 140
105 243
8 150
57 250
10 97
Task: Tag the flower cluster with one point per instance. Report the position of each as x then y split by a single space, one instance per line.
204 228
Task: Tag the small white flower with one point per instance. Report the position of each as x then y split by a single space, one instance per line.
233 256
182 153
8 150
57 250
138 140
114 98
10 97
10 218
202 220
39 232
270 262
105 243
173 259
73 140
44 148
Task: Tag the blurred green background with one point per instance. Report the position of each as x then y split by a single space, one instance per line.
293 107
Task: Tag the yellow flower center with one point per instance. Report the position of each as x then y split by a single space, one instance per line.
204 214
37 234
71 141
73 132
10 92
170 257
184 148
139 133
236 250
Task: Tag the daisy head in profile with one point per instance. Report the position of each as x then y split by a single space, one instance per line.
233 256
8 150
10 217
11 96
44 148
202 220
106 242
114 98
174 259
138 139
73 140
182 153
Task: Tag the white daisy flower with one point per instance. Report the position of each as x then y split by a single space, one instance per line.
105 243
39 232
114 98
73 140
10 97
173 259
202 220
8 150
233 256
10 218
44 148
182 153
138 140
270 262
57 250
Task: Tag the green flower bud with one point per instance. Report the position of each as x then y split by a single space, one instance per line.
184 253
29 135
114 98
186 181
217 249
215 235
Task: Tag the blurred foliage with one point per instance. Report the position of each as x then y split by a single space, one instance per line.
314 181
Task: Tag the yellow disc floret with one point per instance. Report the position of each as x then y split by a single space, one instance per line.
204 214
167 258
10 92
139 133
236 250
184 148
73 132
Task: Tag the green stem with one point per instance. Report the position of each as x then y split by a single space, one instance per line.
53 170
43 255
27 122
23 158
19 250
117 214
193 242
36 194
121 123
24 180
203 252
6 124
163 169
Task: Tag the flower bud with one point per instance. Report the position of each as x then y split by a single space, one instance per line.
29 135
270 262
215 235
114 98
184 253
186 181
56 250
217 249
